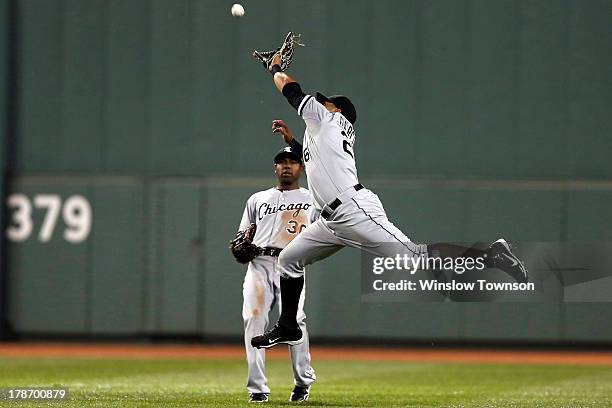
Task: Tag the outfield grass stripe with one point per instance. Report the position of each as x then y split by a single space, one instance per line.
220 383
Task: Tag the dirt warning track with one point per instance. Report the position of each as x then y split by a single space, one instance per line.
72 350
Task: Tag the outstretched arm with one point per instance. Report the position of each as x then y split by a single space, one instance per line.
286 84
280 78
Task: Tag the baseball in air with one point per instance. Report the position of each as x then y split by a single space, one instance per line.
237 10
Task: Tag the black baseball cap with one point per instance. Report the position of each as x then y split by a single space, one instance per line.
343 103
287 152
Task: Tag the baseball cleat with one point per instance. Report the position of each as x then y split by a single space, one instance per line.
279 334
501 257
299 394
258 397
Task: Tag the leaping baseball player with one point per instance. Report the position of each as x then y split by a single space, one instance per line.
351 215
272 219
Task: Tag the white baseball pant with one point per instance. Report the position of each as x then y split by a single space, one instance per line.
261 291
359 222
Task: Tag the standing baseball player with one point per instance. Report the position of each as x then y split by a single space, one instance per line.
351 215
274 217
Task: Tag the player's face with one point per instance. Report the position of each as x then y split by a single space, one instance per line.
331 107
288 170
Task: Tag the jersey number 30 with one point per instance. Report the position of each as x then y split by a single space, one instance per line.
296 227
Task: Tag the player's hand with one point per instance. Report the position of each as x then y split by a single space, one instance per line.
278 126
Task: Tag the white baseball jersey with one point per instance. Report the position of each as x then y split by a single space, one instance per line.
328 151
279 214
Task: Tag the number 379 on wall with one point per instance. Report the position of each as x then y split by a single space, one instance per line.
75 211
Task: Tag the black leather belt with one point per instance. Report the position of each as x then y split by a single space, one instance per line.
271 251
336 203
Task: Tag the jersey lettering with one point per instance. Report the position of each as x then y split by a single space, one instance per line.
348 132
269 209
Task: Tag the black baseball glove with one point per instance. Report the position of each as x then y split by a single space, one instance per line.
242 246
285 51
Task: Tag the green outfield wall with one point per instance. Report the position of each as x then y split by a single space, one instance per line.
5 128
143 127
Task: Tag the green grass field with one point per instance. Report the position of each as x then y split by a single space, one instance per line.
220 383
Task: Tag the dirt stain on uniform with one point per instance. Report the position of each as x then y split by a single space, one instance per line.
260 298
